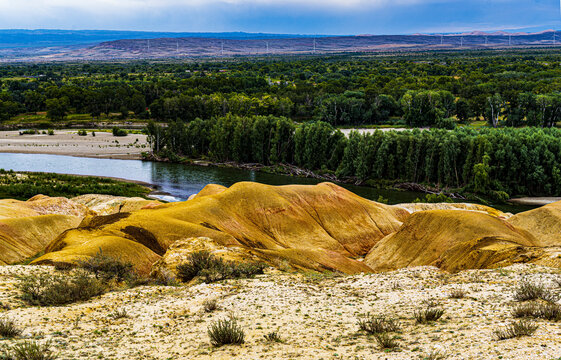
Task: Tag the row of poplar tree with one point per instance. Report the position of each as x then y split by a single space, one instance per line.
488 161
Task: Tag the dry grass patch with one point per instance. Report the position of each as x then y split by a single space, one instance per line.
516 329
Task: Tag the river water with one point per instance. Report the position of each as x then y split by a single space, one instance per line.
181 181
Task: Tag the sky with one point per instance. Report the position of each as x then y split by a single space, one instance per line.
334 17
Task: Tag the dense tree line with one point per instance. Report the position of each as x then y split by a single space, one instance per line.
438 90
494 162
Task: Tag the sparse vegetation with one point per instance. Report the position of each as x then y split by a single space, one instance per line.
434 355
377 324
29 350
48 290
386 341
457 294
530 291
516 329
212 269
120 314
273 337
210 305
8 328
428 314
546 311
226 331
107 268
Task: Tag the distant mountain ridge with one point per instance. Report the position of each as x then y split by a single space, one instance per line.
246 44
17 38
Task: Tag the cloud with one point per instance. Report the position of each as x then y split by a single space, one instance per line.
286 16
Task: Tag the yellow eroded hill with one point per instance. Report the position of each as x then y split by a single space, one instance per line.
41 205
415 207
108 204
27 227
452 240
544 223
316 227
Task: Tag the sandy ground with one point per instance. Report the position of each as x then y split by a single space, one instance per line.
315 315
67 142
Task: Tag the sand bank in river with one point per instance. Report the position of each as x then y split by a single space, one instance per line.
67 142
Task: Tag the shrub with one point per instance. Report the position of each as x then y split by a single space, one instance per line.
119 132
8 328
386 341
529 291
28 351
547 311
516 329
196 262
211 268
377 324
106 267
226 331
457 294
273 337
82 133
48 290
428 314
51 132
210 305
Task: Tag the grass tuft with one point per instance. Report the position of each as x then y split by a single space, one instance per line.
273 337
226 331
428 314
516 329
386 342
27 351
9 329
210 305
457 294
537 310
530 291
377 324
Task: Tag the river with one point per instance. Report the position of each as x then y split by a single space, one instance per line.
181 181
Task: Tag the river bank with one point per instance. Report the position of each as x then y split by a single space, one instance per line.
105 146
